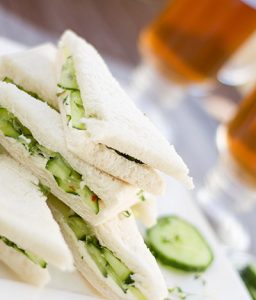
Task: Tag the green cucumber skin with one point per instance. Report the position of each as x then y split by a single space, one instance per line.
167 261
34 258
121 271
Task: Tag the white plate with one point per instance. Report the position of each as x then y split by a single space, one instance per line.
220 282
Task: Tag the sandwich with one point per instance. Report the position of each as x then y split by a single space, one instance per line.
103 126
33 71
29 236
112 257
31 131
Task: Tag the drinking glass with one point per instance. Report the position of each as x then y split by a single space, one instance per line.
190 41
229 194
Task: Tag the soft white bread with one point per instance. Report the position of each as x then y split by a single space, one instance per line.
140 175
33 70
25 218
46 127
22 266
111 118
121 236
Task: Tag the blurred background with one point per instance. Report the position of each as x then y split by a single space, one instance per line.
192 70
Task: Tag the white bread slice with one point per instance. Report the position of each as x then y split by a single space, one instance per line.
121 236
22 266
111 118
34 70
46 127
25 218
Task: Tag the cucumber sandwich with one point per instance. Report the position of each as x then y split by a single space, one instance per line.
31 131
111 256
29 236
104 127
34 71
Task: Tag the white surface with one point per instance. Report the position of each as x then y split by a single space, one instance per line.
220 282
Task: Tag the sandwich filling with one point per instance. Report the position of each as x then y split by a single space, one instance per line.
34 258
71 97
69 180
109 265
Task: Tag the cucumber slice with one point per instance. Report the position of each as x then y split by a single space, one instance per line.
6 124
77 110
60 206
90 199
68 185
68 75
4 114
122 272
8 130
79 227
136 293
114 276
37 260
177 243
248 275
98 258
59 167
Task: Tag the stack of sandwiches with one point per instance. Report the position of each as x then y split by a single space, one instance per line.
78 140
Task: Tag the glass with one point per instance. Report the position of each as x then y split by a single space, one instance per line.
229 194
190 41
241 136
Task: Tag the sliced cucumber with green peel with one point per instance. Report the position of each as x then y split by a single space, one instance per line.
79 227
98 258
136 293
111 273
248 275
90 199
37 260
77 110
68 75
177 243
119 268
68 185
8 130
59 167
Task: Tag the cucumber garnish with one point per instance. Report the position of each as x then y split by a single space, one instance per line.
178 244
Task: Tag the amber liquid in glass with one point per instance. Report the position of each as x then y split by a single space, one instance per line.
242 136
191 40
